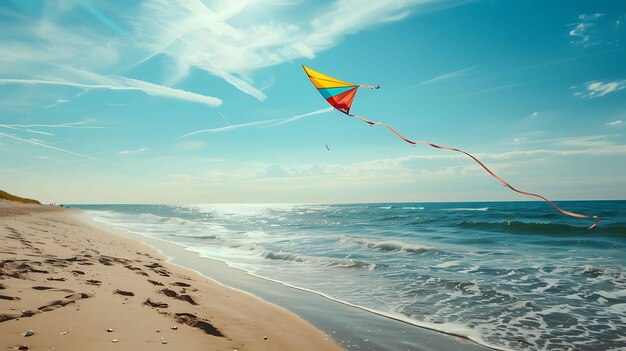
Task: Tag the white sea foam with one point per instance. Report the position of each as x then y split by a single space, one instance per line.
447 264
386 245
467 209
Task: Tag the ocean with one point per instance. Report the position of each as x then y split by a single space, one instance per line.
507 275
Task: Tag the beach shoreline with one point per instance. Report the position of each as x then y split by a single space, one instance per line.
73 285
351 326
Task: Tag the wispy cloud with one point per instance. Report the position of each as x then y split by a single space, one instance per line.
496 88
84 124
26 128
596 88
614 123
57 103
295 118
230 40
593 30
446 76
41 144
267 122
122 83
133 152
581 32
229 128
199 36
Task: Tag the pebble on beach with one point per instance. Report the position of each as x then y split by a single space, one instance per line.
29 333
23 347
110 330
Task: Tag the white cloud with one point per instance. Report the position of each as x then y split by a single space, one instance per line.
614 123
227 39
595 89
57 103
581 32
592 30
133 152
231 41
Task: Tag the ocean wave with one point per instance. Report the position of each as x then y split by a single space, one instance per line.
344 263
613 274
413 208
349 263
283 256
386 245
150 217
103 213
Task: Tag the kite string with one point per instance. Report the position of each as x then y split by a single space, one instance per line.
413 143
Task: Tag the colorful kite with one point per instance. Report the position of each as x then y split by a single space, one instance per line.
340 95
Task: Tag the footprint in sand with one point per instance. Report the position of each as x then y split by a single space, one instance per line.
193 321
6 297
42 287
56 279
154 282
155 304
124 293
174 294
181 284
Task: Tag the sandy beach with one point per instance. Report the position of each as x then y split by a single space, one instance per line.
73 286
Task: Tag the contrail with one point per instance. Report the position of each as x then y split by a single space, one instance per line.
295 118
230 127
274 122
46 146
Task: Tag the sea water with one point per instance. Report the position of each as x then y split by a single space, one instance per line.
509 275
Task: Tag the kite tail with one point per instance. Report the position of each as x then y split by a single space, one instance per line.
504 182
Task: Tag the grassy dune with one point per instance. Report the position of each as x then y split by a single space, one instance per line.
6 196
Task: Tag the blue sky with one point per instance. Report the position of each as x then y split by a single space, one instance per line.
206 101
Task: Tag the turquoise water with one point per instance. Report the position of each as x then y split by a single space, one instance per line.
510 275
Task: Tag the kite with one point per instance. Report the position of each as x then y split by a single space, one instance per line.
340 95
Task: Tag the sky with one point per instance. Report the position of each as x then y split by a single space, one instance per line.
166 101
